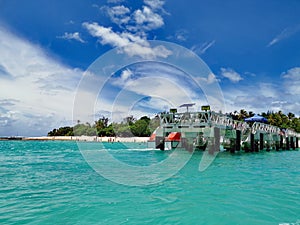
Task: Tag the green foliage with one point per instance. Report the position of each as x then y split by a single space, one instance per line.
102 126
140 128
122 129
62 131
128 128
84 129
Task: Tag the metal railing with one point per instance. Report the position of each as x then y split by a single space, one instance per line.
223 121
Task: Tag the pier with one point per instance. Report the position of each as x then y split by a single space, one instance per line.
212 131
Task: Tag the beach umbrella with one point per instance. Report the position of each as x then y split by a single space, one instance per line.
256 118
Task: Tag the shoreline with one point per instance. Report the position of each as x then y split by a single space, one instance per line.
81 138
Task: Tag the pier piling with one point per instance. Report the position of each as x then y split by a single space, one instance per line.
277 146
252 143
287 143
256 146
238 140
217 136
292 143
261 141
281 142
297 142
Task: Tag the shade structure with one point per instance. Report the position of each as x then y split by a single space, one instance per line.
256 118
187 105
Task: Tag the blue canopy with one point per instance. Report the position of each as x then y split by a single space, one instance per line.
256 118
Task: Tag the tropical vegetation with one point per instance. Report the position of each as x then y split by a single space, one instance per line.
127 128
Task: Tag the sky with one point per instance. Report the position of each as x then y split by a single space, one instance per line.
64 61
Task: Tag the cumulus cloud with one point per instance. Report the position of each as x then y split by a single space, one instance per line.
155 4
211 78
72 36
131 44
132 36
292 81
231 75
39 94
119 14
146 19
273 96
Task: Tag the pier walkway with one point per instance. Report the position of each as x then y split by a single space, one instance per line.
199 129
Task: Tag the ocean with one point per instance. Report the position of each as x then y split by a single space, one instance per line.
52 182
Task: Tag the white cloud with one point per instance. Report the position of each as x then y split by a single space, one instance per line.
72 36
132 38
286 33
146 19
155 4
39 93
292 81
181 35
124 77
211 78
284 95
118 14
115 1
203 48
159 81
126 74
106 34
131 44
231 75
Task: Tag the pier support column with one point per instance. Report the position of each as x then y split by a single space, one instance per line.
238 140
292 143
214 143
261 141
160 143
281 142
268 146
297 142
252 143
277 145
217 138
232 145
277 142
287 143
256 146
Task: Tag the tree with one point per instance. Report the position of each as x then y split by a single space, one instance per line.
101 124
154 123
130 120
62 131
243 114
122 130
291 116
140 128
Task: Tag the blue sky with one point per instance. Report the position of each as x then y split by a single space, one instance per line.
251 47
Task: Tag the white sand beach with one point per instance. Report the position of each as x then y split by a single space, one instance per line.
89 138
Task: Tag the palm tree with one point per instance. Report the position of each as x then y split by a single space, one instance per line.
243 114
291 116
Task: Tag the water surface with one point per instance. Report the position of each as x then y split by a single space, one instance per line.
49 182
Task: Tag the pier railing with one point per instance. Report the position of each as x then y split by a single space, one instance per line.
223 121
202 119
264 128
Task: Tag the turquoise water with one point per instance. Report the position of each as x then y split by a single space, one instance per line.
50 183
